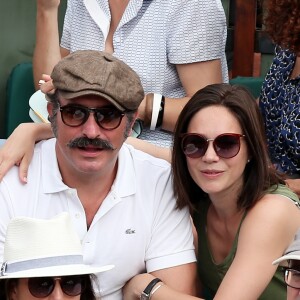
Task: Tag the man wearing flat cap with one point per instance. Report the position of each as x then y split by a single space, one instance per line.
120 199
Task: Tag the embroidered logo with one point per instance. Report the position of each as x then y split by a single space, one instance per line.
130 231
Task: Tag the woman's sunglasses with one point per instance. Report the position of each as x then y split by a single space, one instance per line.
108 118
226 145
41 287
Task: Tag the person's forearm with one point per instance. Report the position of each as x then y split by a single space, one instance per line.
134 288
159 152
164 292
41 131
172 110
47 50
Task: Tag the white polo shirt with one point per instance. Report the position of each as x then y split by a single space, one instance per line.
152 37
137 227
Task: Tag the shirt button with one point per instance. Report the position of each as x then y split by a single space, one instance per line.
77 216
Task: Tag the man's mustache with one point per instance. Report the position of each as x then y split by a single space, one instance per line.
82 142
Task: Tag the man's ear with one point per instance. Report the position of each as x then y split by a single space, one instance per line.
134 118
50 108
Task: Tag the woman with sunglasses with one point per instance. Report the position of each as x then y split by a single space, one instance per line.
244 215
43 260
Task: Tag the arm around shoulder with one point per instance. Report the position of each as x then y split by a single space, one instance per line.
18 149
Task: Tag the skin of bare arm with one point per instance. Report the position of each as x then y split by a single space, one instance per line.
13 154
47 50
193 77
267 230
137 284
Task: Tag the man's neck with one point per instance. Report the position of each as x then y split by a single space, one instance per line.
92 188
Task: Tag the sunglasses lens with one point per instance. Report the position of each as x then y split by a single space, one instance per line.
194 146
72 285
227 146
108 118
73 115
40 287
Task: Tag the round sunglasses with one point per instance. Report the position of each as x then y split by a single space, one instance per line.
226 145
107 118
41 287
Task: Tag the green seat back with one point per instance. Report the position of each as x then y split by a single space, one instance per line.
253 84
20 87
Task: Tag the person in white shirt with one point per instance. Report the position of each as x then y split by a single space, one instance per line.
120 199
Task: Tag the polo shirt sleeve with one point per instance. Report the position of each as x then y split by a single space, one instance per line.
197 31
172 238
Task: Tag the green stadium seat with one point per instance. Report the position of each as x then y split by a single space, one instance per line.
19 87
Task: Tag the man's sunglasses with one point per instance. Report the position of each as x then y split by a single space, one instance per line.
226 145
41 287
108 118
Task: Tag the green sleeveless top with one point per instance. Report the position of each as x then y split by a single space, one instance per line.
212 274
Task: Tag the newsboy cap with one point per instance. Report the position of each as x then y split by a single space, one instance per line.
89 72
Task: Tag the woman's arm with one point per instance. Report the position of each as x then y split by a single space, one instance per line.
266 232
159 152
18 149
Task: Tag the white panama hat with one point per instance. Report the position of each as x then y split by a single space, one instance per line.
292 252
40 248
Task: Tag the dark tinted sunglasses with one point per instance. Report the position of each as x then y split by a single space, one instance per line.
41 287
108 118
226 145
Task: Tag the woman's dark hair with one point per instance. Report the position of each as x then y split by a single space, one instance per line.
282 22
259 174
88 293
